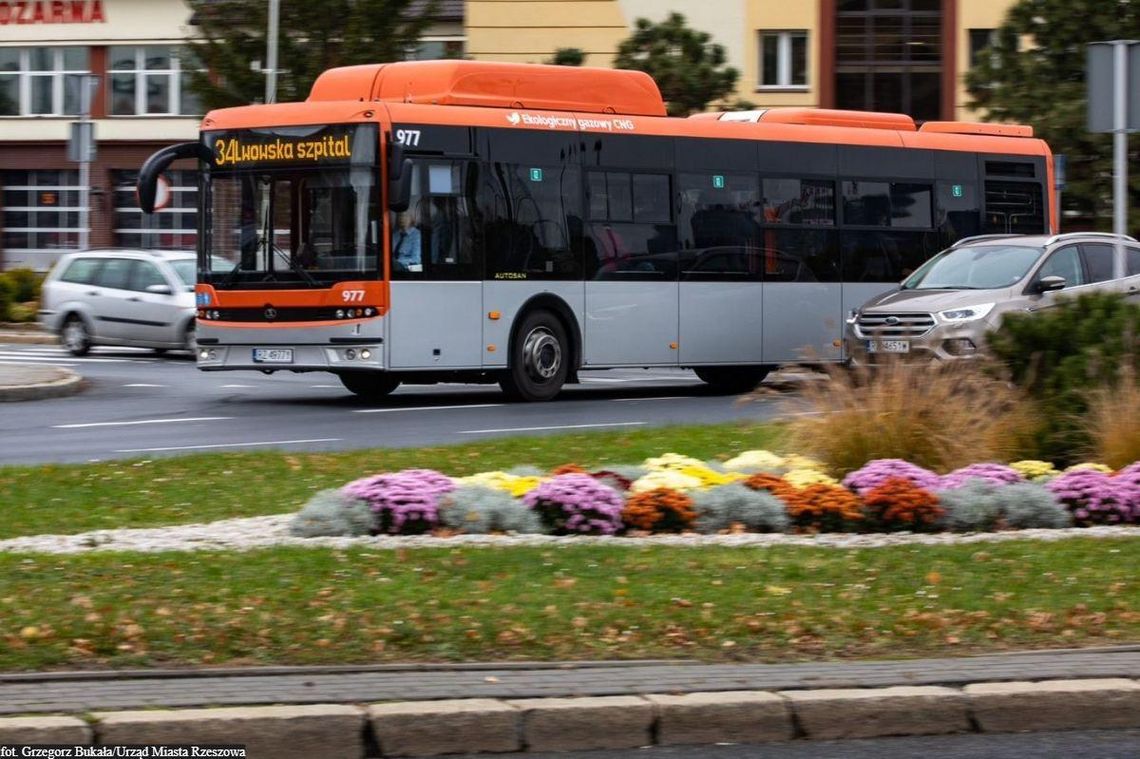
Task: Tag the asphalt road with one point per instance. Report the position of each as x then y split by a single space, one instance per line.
140 405
1090 744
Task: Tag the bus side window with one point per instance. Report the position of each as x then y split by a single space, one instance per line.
434 238
533 222
633 235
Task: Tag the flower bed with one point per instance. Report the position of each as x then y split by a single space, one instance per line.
755 491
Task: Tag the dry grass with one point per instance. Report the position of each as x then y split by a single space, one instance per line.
1113 422
939 416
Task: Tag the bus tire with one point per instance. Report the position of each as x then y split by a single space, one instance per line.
369 385
732 379
539 360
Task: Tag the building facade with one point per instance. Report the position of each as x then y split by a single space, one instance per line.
906 56
136 56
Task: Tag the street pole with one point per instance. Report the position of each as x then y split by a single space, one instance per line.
271 52
85 165
1120 141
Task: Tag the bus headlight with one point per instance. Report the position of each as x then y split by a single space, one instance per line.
365 354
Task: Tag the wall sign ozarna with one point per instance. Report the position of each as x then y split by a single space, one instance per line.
52 12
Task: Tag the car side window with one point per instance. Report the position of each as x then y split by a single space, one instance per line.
81 271
1098 261
1132 263
115 272
145 275
1066 263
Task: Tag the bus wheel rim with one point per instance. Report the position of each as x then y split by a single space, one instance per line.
542 355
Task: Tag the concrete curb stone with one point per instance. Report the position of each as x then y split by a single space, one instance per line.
282 732
57 382
830 714
430 728
1055 705
722 717
59 730
583 724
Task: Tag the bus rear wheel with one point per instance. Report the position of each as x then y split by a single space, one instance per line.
539 358
369 385
732 379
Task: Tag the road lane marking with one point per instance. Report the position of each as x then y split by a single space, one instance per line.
239 386
328 387
17 358
228 445
140 421
655 398
142 384
424 408
555 427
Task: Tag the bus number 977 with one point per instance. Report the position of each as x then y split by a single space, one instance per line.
409 137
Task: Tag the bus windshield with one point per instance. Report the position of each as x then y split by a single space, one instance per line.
297 225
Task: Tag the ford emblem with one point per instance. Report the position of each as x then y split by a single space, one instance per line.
892 320
270 313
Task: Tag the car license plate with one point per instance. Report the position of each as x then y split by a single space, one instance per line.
888 346
272 355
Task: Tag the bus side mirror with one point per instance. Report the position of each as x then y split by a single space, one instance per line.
400 185
148 175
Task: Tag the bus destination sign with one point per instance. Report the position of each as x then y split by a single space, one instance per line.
294 146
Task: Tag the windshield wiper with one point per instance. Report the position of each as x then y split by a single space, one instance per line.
297 267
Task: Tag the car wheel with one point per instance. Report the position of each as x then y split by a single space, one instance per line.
190 340
75 336
369 385
732 379
539 358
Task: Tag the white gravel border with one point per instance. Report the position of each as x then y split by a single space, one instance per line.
254 533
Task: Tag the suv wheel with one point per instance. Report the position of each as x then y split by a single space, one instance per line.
732 379
75 336
369 385
190 340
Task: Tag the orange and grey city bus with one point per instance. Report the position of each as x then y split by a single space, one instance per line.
476 221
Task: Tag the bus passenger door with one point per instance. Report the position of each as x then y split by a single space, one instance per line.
437 293
803 296
631 271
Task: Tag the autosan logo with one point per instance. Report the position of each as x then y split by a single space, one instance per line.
514 118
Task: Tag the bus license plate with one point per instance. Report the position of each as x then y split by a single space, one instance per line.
272 355
888 346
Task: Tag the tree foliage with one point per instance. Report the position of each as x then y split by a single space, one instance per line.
568 56
1034 73
312 37
688 68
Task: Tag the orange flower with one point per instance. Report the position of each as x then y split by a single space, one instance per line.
567 469
824 508
659 510
774 484
898 504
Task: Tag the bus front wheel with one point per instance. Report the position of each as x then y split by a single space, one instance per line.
732 379
539 358
370 385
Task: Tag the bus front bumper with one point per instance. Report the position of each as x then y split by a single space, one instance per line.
296 358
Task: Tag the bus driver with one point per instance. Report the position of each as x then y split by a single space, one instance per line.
407 254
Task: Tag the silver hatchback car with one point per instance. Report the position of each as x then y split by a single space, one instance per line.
945 308
121 297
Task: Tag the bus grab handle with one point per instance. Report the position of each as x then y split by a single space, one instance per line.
158 162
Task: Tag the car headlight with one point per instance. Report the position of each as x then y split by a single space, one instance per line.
967 314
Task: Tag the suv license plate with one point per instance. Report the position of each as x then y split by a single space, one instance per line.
888 346
272 355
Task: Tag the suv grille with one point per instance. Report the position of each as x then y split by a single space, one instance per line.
895 325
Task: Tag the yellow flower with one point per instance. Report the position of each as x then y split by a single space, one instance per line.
523 485
755 461
710 477
514 484
664 478
1091 466
794 461
801 478
671 461
1032 469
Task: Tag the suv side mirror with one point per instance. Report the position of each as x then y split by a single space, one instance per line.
1050 283
159 289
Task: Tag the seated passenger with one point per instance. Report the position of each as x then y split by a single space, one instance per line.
407 252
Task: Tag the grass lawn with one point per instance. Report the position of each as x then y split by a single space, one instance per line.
301 605
202 488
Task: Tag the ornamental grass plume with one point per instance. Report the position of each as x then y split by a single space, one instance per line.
940 417
576 504
659 510
1111 422
899 504
875 473
405 502
996 474
1094 497
825 508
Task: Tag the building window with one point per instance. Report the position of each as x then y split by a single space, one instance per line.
437 48
172 228
42 81
41 211
783 59
889 56
152 81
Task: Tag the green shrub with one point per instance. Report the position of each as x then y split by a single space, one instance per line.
721 507
1060 355
1027 505
974 507
5 300
331 513
25 284
480 510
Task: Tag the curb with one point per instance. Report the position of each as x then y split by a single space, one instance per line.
435 728
67 383
26 334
